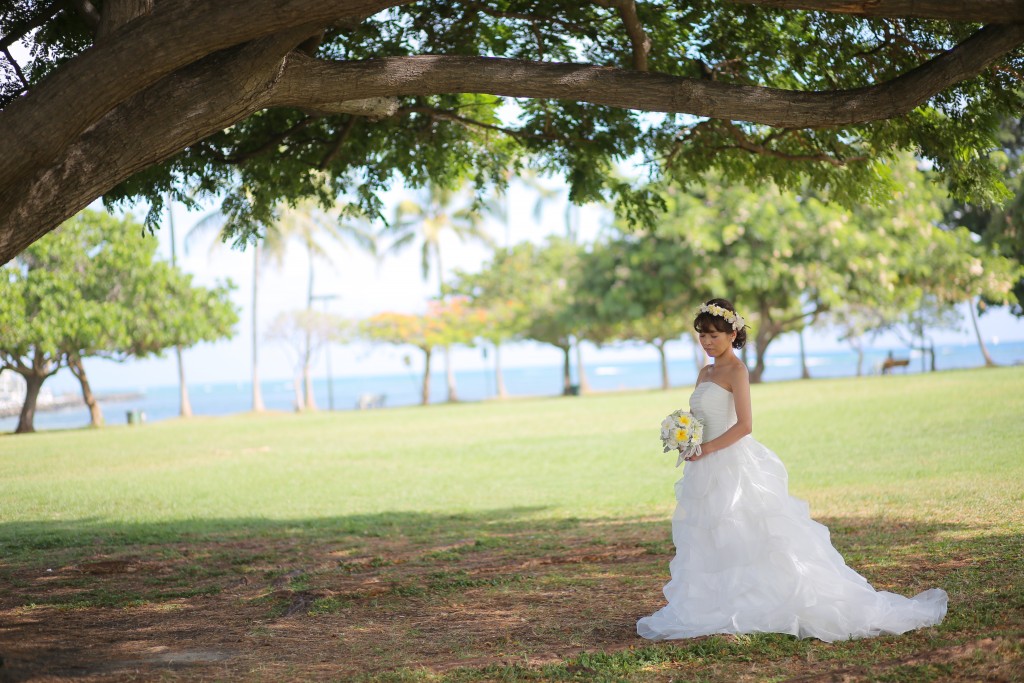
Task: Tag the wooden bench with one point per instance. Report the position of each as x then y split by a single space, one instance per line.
889 363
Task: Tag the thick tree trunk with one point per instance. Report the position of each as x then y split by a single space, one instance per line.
78 370
425 399
117 13
26 421
581 372
660 345
989 363
499 376
257 390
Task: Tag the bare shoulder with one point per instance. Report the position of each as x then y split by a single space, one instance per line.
702 374
738 375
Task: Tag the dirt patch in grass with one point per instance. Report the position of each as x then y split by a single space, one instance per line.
537 601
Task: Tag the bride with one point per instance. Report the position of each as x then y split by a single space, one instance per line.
748 556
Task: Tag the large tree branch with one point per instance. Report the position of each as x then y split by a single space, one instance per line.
321 85
117 13
228 86
143 131
980 11
36 127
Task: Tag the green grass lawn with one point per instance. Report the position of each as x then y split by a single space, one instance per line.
279 529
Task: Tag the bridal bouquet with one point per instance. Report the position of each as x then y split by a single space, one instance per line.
682 431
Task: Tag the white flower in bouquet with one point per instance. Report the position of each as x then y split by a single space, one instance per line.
682 431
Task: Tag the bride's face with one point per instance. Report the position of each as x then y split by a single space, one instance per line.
716 343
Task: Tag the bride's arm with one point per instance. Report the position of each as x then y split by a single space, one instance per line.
740 381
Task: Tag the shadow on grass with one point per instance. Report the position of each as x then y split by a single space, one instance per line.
508 593
22 537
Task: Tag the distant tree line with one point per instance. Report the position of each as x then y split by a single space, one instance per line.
791 261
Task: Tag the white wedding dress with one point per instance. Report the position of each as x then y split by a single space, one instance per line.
750 559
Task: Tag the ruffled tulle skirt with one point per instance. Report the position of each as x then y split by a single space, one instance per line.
750 559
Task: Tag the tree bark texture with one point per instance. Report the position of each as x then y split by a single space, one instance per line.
142 93
95 412
117 13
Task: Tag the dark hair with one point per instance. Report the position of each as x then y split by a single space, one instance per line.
709 321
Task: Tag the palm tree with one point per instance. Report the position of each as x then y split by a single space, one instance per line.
185 405
268 250
306 222
498 207
427 223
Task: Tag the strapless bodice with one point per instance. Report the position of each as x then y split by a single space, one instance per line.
714 406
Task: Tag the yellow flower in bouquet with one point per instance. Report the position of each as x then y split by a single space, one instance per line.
682 431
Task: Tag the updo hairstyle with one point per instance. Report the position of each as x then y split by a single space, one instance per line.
706 321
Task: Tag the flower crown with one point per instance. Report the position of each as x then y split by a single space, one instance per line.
731 317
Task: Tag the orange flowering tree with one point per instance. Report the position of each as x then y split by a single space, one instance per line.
444 324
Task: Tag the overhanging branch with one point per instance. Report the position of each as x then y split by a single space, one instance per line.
37 126
313 84
159 122
979 11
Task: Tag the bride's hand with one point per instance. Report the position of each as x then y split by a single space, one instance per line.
697 456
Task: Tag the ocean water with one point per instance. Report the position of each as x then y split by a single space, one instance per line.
161 403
